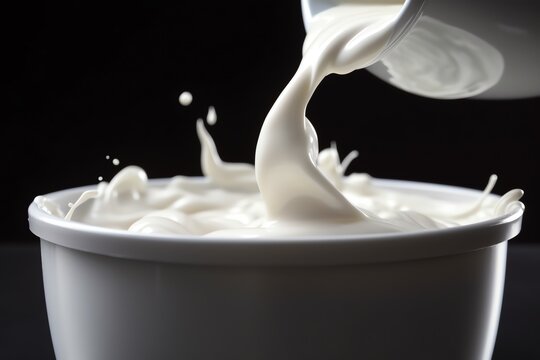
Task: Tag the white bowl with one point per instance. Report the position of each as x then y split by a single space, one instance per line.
115 295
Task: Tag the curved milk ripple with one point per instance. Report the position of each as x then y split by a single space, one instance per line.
293 189
442 61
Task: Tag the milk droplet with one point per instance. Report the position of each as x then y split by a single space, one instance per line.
116 162
211 117
185 98
107 157
100 178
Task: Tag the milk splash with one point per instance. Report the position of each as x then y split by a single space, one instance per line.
227 203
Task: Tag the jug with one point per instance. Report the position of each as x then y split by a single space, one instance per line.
457 49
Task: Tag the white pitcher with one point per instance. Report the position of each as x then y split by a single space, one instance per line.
455 49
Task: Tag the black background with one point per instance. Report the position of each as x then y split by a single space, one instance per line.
89 79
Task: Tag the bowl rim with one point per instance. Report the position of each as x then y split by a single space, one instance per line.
269 251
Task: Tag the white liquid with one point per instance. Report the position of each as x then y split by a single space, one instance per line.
211 117
441 61
340 40
293 189
185 98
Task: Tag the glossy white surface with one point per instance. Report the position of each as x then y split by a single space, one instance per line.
108 308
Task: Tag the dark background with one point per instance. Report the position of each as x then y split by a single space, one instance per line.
89 79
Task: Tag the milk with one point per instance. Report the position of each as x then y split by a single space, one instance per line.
293 189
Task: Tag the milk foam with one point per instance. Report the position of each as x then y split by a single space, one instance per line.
293 189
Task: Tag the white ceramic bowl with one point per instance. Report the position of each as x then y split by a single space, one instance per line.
115 295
